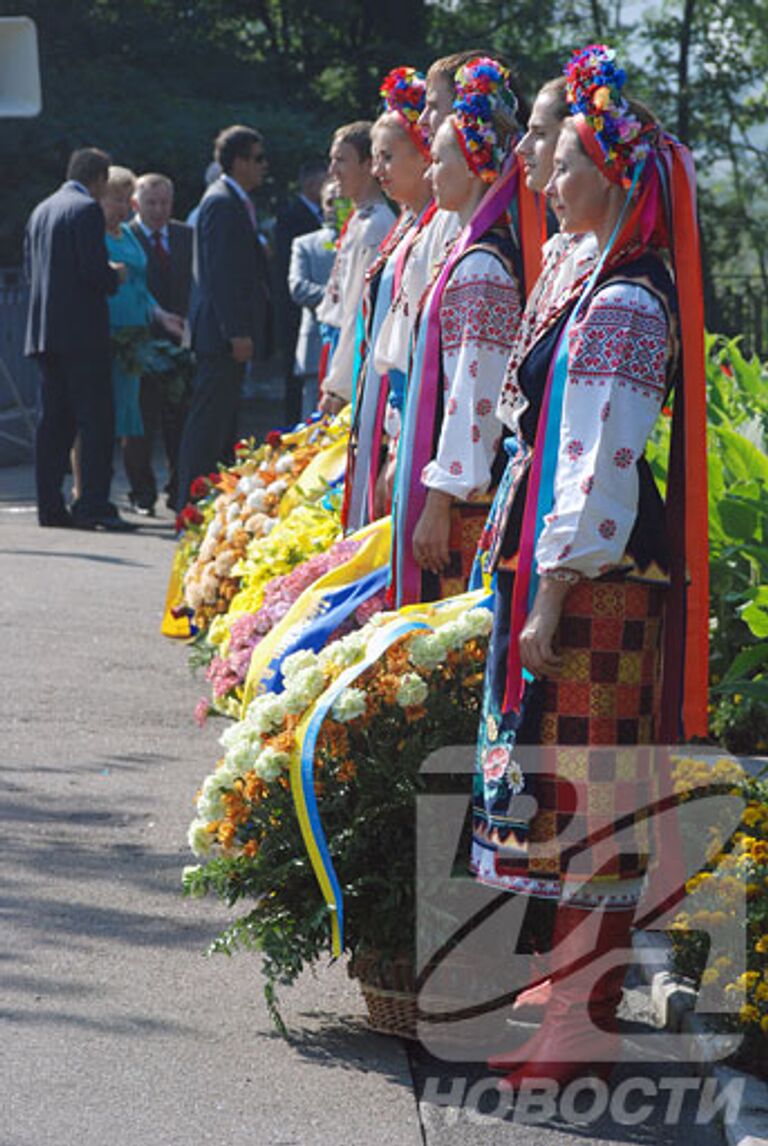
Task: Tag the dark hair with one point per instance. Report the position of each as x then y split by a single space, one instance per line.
233 143
447 66
87 165
358 135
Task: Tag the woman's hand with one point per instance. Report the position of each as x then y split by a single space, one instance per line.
537 652
331 404
173 324
381 501
432 534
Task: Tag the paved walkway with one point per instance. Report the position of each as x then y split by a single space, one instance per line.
116 1029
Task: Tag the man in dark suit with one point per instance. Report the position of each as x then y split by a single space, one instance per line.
168 246
70 276
299 215
230 306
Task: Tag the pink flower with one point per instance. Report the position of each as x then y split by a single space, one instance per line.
495 762
202 708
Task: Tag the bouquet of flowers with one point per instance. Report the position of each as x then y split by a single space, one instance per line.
228 667
240 507
422 693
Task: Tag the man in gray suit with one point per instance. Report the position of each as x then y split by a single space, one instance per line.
168 246
312 257
70 277
230 308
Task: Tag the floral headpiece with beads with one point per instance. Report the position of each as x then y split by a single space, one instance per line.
482 89
614 137
404 91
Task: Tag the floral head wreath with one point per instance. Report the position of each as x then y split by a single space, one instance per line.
482 89
614 138
404 91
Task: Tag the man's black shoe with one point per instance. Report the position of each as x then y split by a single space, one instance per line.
112 524
61 520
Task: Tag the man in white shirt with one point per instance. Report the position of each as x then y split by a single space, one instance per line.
366 228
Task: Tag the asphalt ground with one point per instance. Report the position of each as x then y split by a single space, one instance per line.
116 1027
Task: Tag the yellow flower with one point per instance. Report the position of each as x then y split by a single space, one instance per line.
749 1013
601 99
752 815
764 1024
748 979
761 947
761 992
711 975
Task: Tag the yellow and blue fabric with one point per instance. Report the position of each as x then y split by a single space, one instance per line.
417 617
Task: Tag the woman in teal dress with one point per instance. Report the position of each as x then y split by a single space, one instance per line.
132 305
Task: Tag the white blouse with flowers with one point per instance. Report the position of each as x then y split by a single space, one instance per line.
393 343
479 317
617 376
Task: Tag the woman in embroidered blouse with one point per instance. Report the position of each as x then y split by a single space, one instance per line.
577 537
400 154
479 308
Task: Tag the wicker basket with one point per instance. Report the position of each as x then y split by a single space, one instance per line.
389 990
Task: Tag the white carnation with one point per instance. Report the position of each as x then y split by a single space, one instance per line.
296 662
349 705
266 713
232 735
284 465
199 838
270 764
303 688
426 652
412 691
478 622
233 513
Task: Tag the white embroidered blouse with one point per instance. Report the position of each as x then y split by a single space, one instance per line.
393 343
617 377
479 316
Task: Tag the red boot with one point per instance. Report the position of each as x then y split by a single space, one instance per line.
590 954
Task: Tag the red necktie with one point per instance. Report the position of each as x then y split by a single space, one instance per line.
159 248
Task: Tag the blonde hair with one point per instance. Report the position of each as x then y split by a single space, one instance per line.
121 179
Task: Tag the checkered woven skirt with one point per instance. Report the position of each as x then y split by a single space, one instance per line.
562 791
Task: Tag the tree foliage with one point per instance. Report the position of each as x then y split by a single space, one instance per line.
153 80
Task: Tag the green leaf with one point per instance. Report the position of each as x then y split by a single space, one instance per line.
749 659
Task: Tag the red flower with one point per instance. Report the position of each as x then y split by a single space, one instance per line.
727 370
274 438
199 488
190 515
242 447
